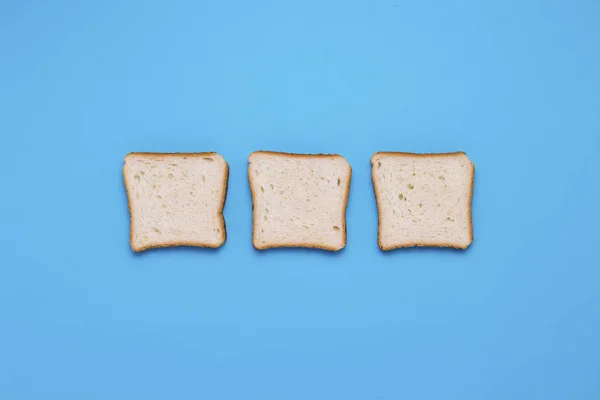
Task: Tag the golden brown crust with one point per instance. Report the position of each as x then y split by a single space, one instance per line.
296 245
377 200
177 243
400 153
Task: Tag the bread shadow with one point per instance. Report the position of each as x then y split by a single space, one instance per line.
427 249
183 249
298 251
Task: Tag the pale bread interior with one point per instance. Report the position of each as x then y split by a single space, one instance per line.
299 200
423 200
176 199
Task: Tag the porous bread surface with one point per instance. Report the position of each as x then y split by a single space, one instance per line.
423 199
176 199
299 200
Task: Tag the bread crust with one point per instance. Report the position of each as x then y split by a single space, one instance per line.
296 245
177 243
421 244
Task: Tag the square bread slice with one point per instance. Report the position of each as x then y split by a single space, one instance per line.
176 199
423 199
299 200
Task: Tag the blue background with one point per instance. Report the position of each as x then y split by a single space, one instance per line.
515 84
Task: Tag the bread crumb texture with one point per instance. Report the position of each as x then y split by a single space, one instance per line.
299 200
423 199
176 199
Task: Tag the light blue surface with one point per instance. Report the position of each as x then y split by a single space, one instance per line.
515 84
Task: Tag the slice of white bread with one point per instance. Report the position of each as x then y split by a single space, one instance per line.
423 199
299 200
176 199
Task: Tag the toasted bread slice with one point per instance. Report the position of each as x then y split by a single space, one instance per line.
423 199
299 200
176 199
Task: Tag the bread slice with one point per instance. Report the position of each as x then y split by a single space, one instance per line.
299 200
423 199
176 199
